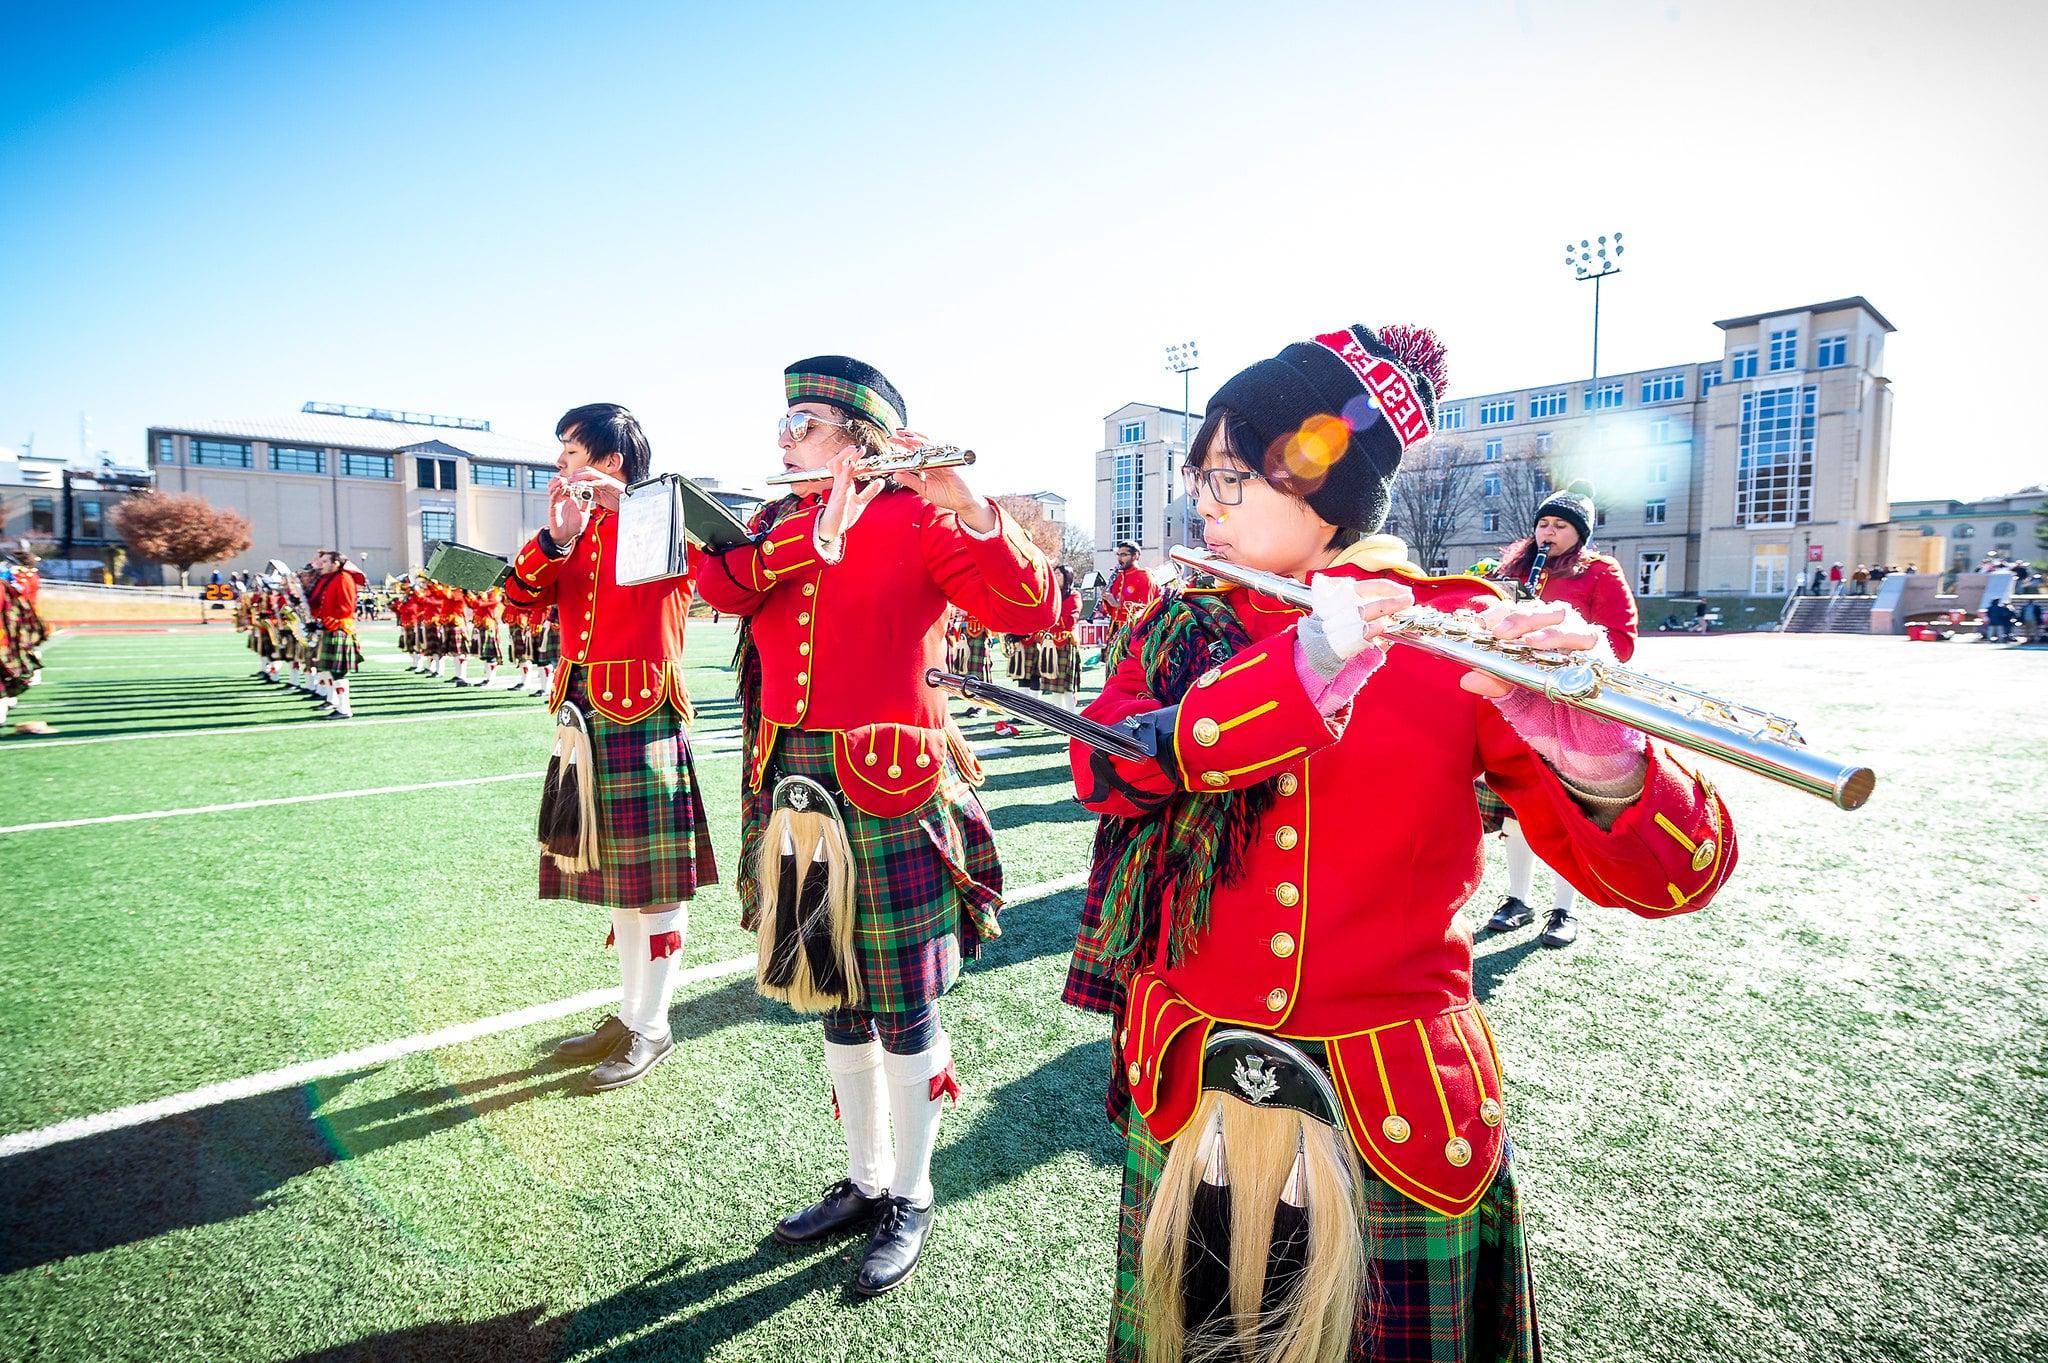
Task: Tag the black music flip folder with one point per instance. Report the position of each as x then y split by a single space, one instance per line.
660 517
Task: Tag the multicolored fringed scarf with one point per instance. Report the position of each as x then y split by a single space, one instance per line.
1166 865
746 658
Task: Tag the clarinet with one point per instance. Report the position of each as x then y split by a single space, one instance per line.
1535 579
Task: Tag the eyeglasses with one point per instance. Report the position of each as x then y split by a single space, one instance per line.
796 425
1225 484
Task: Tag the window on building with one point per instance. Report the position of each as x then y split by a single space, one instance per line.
1489 521
1444 521
1742 363
1927 532
89 518
1832 352
1547 404
221 454
1774 456
1541 477
1497 411
433 473
1492 450
490 475
1650 573
1441 565
1600 514
1664 388
1653 511
1784 350
1660 431
358 464
1451 418
1602 396
42 516
538 479
436 527
166 449
1710 377
1130 433
2005 530
2002 549
1657 470
1491 484
1966 532
1127 499
290 459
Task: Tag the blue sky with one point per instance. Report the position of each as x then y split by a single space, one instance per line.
507 210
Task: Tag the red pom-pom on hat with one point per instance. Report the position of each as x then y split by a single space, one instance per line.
1419 351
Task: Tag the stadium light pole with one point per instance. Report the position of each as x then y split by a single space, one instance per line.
1590 260
1180 359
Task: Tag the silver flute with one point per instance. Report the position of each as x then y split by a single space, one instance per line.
882 465
1754 740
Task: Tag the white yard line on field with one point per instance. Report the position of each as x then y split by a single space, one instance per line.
265 804
291 1076
710 745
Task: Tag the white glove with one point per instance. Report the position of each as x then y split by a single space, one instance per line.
1335 605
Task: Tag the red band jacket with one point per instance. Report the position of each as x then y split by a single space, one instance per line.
844 647
332 598
1600 593
629 638
1129 589
1340 925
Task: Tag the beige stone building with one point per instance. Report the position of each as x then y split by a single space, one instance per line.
384 487
1137 482
1716 477
1940 535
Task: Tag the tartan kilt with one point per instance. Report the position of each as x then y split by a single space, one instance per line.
547 645
522 644
653 840
339 653
1066 672
490 643
1493 810
976 658
1437 1289
930 883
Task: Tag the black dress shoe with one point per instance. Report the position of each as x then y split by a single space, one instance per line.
1562 929
591 1047
843 1207
893 1249
635 1056
1511 914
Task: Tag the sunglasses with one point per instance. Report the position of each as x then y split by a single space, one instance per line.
796 425
1225 484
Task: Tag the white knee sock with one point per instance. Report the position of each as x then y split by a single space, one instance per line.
632 949
916 1115
340 699
1521 860
1567 897
656 985
856 1074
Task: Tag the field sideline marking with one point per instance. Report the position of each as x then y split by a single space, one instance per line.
23 744
265 804
291 1076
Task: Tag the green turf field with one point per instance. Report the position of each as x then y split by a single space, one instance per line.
1805 1123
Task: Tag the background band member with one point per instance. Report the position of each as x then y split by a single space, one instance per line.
1131 588
331 601
844 595
1318 1158
1595 586
620 690
1059 651
487 636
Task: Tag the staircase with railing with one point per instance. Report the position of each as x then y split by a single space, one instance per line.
1827 615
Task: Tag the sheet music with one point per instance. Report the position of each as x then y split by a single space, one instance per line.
648 543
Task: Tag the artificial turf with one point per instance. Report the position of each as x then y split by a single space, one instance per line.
1803 1123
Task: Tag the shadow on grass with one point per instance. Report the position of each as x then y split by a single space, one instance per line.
516 1337
1489 969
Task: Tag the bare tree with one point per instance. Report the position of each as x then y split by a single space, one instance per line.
1077 550
1524 484
179 528
1436 488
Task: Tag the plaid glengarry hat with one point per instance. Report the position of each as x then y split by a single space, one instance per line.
854 388
1333 416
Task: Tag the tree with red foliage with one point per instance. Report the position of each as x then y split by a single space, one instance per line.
180 529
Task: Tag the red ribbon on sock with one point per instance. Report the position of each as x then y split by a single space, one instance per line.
610 938
946 1084
835 1104
664 944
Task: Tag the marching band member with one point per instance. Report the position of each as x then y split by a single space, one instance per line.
1318 1157
1130 589
331 601
1594 585
519 635
547 650
622 818
487 638
22 632
844 594
1059 651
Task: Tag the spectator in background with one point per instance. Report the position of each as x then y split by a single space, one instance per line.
1858 579
1819 577
1835 580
